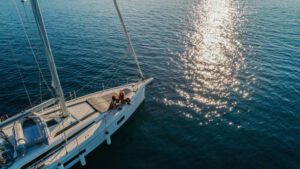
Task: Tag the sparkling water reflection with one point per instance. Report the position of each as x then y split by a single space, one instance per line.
226 89
213 60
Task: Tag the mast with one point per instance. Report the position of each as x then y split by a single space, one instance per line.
128 40
44 37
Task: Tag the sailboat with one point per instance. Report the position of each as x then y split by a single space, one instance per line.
59 133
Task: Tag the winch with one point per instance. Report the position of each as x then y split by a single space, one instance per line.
6 152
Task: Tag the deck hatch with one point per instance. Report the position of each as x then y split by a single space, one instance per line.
51 122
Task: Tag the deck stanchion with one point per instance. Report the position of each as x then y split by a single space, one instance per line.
71 97
61 166
108 139
82 160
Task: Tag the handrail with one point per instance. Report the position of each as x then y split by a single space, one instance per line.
28 112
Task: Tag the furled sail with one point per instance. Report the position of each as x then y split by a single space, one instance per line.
44 37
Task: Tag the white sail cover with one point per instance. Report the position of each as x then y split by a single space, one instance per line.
43 34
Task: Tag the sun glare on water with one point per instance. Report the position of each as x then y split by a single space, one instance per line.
212 60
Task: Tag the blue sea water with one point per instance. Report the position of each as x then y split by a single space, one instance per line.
227 78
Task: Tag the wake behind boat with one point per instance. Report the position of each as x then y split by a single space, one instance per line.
59 133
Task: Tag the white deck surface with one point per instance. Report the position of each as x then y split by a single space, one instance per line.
83 114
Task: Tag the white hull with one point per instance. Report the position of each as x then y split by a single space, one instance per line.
100 135
83 137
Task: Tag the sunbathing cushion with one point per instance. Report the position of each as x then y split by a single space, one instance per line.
98 103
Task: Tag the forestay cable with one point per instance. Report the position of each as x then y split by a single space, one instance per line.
23 82
128 40
102 72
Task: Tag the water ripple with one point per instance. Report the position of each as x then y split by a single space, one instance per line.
213 60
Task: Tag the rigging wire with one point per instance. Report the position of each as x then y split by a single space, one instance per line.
128 40
23 82
109 81
96 78
104 71
21 75
30 46
40 88
36 60
39 67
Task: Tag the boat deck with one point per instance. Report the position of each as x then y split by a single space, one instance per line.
83 112
81 109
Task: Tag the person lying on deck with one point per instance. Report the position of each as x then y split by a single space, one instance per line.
114 102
